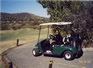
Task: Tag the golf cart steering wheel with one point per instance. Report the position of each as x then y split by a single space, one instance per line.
51 37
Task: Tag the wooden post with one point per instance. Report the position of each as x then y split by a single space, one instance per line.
17 44
50 64
10 65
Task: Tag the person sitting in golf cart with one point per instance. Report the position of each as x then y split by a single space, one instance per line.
57 38
67 39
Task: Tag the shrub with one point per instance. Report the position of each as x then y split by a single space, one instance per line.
5 27
16 26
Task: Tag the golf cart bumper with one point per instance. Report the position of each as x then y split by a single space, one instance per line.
79 53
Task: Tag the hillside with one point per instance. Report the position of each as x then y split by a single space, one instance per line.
20 20
21 17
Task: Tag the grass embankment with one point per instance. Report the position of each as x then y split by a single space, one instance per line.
8 38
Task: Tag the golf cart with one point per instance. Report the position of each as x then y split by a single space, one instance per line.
69 51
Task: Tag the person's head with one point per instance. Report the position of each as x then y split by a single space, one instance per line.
57 32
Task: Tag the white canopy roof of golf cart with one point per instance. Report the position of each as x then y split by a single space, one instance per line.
57 23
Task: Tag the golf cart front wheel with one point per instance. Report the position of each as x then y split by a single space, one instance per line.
35 52
68 55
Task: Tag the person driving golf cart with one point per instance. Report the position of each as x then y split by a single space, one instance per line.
58 38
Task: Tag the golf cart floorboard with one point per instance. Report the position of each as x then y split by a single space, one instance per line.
45 53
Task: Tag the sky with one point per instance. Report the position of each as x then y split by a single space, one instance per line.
19 6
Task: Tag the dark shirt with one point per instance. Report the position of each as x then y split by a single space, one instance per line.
58 39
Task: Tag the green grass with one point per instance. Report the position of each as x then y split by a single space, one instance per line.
19 34
8 38
12 35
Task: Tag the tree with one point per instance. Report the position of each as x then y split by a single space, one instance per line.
80 13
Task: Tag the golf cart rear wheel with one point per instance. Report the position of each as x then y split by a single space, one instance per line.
68 55
35 52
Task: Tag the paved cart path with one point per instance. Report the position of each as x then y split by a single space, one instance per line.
22 57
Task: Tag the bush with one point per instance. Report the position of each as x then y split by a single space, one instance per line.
16 26
5 27
10 26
